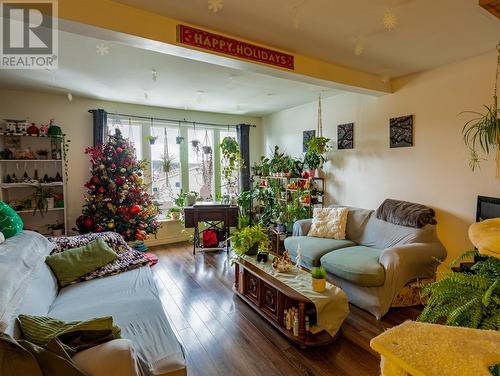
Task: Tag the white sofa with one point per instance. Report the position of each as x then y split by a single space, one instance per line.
148 345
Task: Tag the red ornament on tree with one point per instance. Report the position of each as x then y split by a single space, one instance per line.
135 209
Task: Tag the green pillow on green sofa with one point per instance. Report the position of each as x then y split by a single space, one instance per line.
70 265
11 223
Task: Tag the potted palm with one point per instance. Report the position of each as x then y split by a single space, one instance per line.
318 280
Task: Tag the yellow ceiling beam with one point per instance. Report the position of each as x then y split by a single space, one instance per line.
161 34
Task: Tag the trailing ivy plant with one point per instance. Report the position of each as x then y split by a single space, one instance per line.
469 299
231 157
482 133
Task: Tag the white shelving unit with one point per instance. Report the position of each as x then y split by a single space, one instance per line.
22 191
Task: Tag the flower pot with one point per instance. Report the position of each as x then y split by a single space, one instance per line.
190 200
312 172
175 215
50 203
206 149
152 142
252 251
281 228
179 140
318 285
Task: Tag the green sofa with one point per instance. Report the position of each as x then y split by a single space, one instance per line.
376 259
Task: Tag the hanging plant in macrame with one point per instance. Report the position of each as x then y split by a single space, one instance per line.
206 167
482 133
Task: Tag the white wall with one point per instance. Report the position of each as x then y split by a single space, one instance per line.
433 172
76 122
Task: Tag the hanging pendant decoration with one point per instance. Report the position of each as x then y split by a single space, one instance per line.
389 20
179 139
215 5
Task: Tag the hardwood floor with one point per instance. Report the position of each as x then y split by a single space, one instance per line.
223 336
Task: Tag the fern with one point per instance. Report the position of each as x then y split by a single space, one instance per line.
466 299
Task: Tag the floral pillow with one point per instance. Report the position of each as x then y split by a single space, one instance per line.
329 223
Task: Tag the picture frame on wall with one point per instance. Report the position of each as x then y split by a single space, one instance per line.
345 136
401 131
306 137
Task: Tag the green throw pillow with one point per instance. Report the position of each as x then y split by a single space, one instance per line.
70 265
10 222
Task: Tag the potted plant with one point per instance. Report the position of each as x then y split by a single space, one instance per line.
248 240
175 213
257 169
313 161
278 163
295 167
231 157
41 199
152 139
483 132
318 280
465 299
56 229
179 140
190 198
265 165
207 149
195 144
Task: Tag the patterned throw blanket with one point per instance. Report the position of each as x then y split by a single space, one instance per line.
405 213
128 258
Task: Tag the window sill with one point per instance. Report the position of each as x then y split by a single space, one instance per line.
167 220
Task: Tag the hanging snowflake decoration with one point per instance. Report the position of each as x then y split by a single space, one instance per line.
214 5
359 48
389 20
102 49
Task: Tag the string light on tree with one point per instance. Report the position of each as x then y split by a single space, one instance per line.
215 5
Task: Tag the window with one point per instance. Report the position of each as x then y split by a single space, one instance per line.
181 156
165 165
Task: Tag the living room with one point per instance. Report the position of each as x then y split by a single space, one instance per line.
307 185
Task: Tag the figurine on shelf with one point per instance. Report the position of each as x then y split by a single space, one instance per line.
6 154
58 177
54 130
33 130
24 154
298 258
44 129
7 179
42 153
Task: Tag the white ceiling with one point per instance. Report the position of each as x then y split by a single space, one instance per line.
429 33
124 74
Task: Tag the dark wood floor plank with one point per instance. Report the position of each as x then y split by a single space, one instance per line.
222 335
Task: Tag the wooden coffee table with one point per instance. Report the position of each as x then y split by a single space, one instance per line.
270 297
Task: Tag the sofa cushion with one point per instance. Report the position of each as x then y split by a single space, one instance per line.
132 299
70 265
329 223
313 248
358 264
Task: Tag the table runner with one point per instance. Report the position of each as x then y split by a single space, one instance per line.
331 305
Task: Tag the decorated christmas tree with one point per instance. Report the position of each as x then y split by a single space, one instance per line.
117 199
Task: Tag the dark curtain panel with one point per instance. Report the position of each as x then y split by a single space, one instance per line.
100 124
243 131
